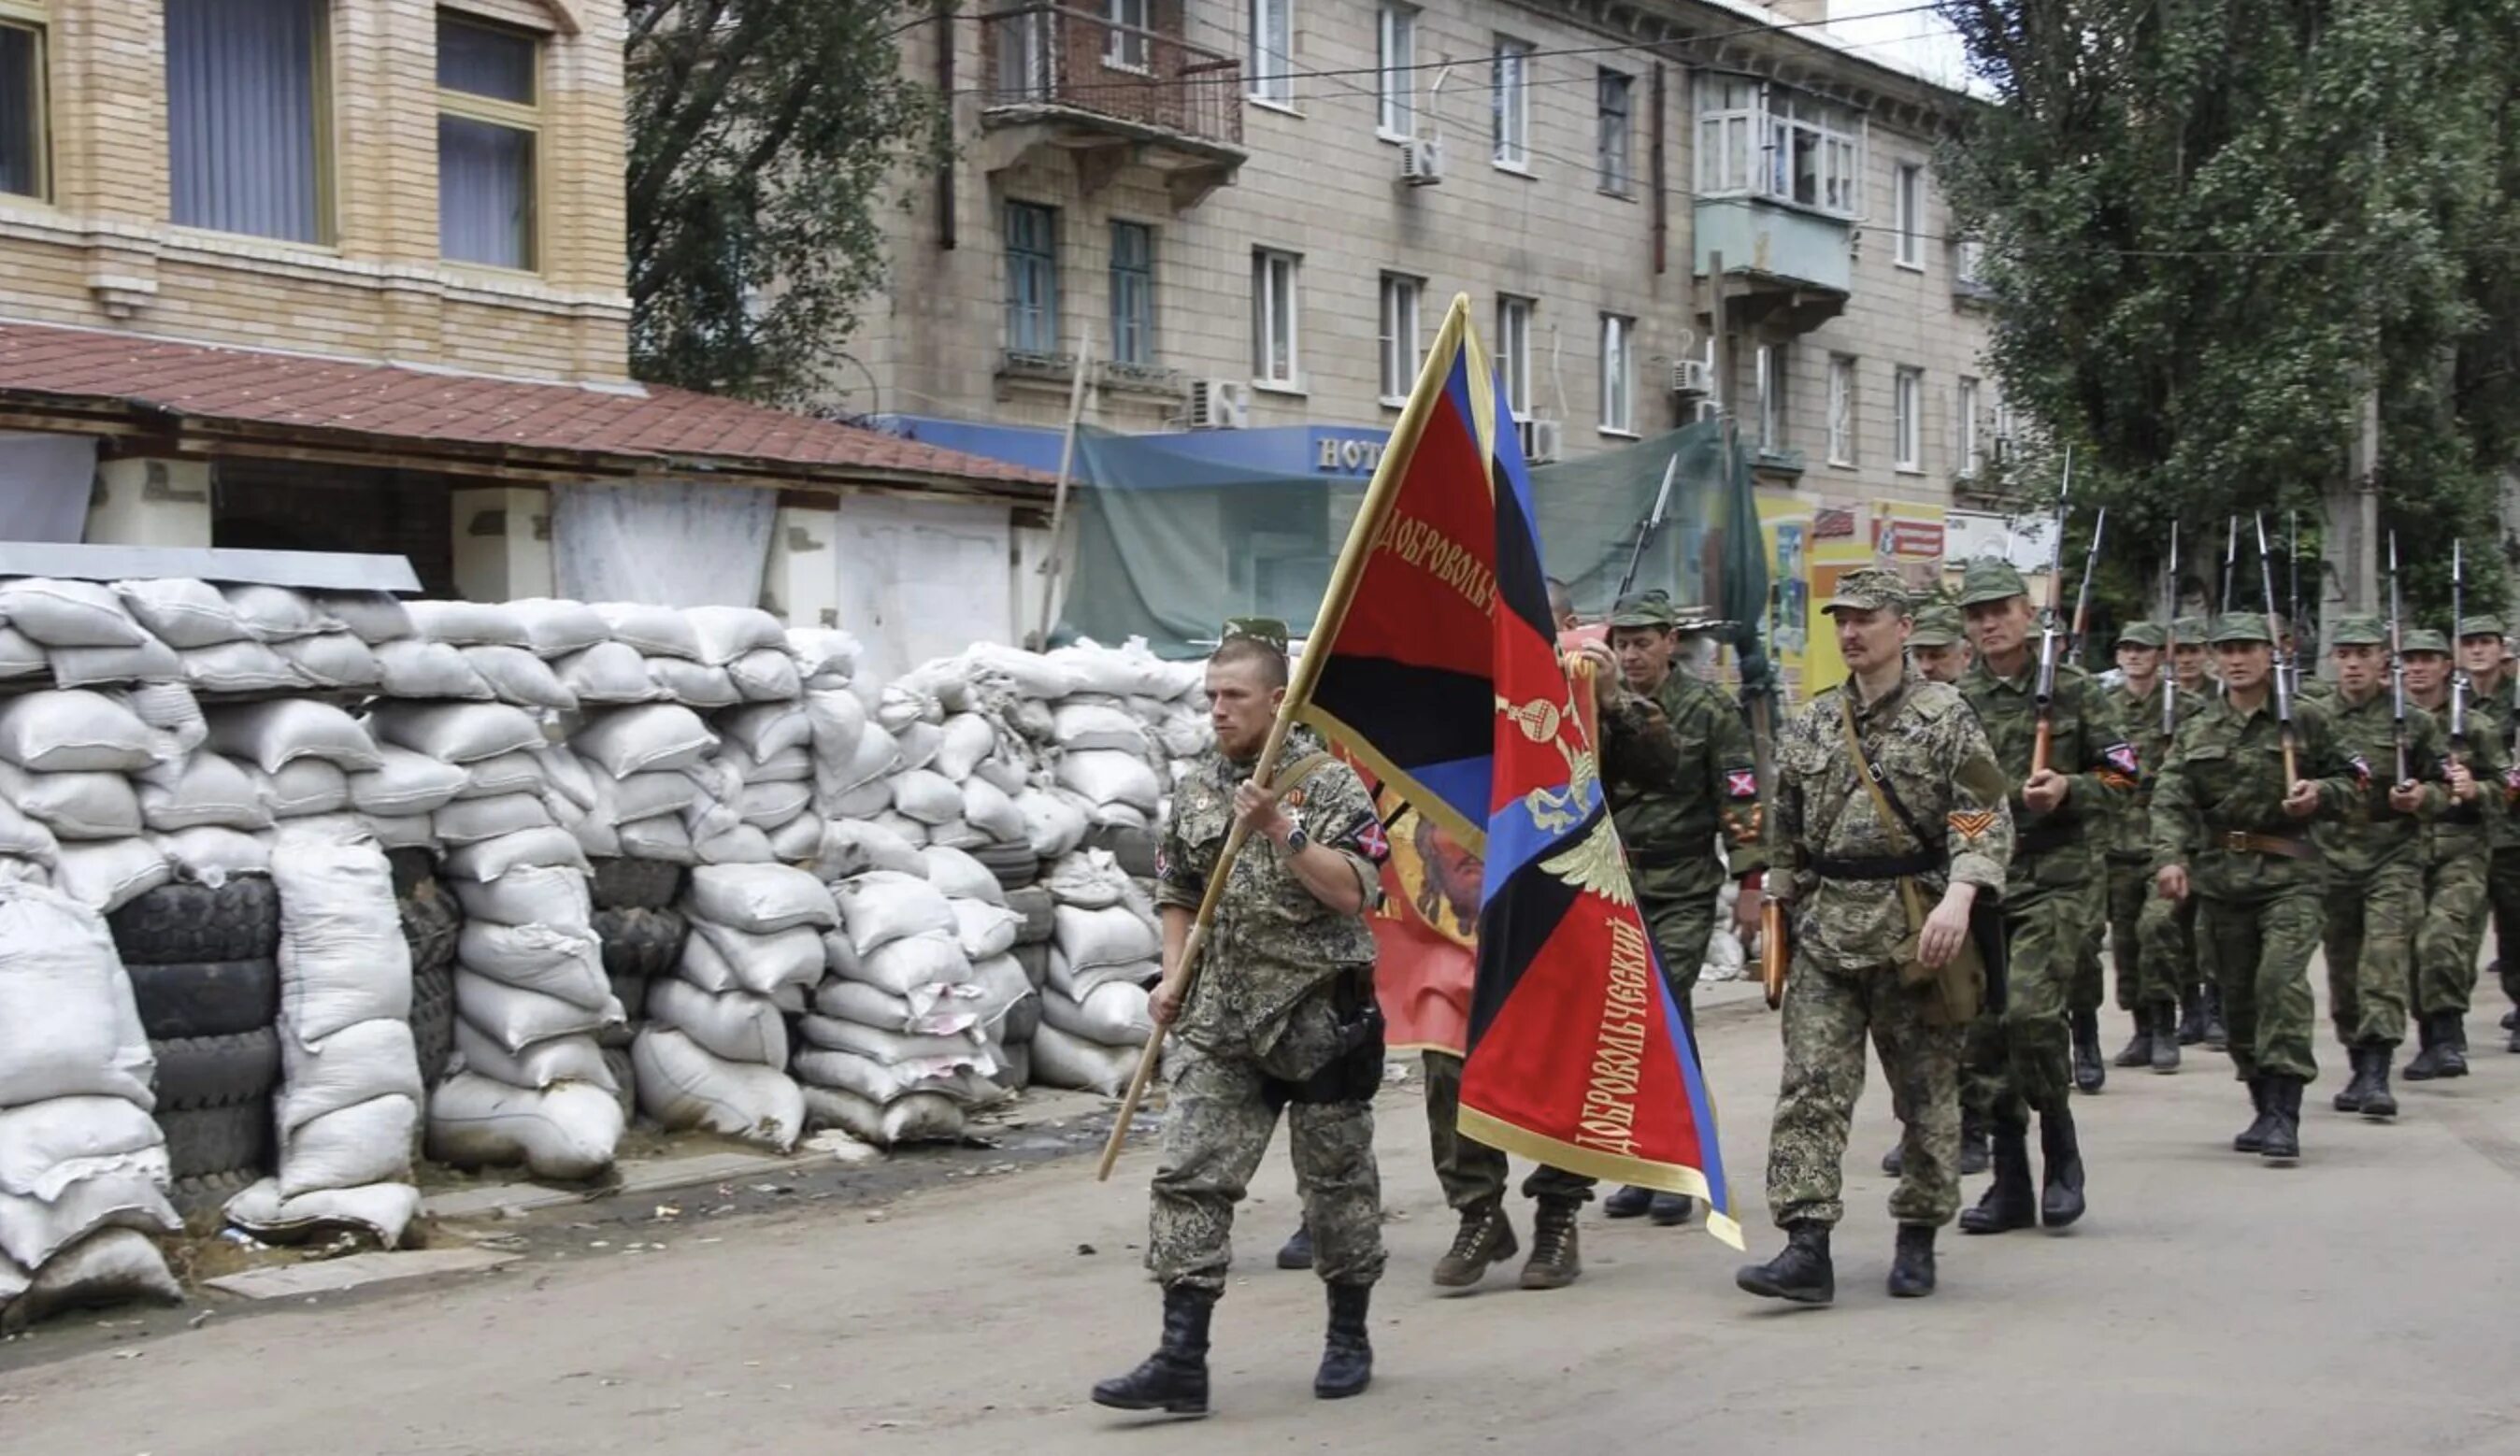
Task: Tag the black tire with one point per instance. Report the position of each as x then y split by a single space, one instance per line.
206 1194
632 993
1013 873
206 998
1134 849
219 1139
640 943
432 924
636 884
1040 916
184 924
432 1018
207 1071
410 867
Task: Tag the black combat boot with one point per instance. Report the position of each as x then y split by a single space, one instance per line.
2138 1047
1802 1274
1485 1237
1671 1209
2091 1073
1556 1256
1911 1266
1174 1379
2514 1043
2254 1137
2218 1036
2010 1202
1297 1252
2425 1064
1893 1161
2378 1102
2283 1125
2165 1039
1347 1354
2350 1098
2060 1154
1973 1157
2451 1039
2191 1018
1629 1202
2511 1020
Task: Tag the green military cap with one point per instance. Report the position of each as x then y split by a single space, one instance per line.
1937 626
2242 627
2423 639
2483 624
2189 630
1988 580
1267 631
2359 632
1644 609
1872 589
2142 634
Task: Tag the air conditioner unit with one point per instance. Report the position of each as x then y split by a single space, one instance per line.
1691 377
1542 440
1421 160
1708 411
1220 404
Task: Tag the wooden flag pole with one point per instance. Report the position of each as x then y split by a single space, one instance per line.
1326 625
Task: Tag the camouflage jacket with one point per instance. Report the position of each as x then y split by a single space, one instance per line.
2367 734
1931 750
1271 941
2494 707
2225 776
1677 768
2462 829
2133 837
2057 851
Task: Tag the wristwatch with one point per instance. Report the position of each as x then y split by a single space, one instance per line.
1297 840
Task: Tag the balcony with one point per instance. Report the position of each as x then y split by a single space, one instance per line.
1109 95
1788 268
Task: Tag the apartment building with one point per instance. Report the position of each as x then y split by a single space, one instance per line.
1250 214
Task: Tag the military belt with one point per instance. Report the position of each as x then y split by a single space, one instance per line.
2284 846
2040 839
1880 868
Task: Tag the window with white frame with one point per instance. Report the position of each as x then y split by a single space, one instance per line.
1032 277
1513 351
1396 59
1510 100
1908 214
1760 140
1908 419
489 127
1272 317
1401 355
1614 140
1130 21
1270 64
1619 373
245 123
24 146
1970 459
1728 122
1771 360
1968 262
1132 292
1841 409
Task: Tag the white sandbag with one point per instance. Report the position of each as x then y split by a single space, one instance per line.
918 745
991 815
371 1059
873 802
794 765
932 958
24 838
652 736
766 675
106 874
381 1210
368 1142
181 612
661 838
984 930
927 797
420 670
545 1064
720 957
954 833
898 705
74 806
1091 880
741 845
568 1131
683 1086
556 897
1052 826
853 846
72 731
565 962
333 660
759 897
694 684
959 876
519 677
766 806
153 661
1033 675
736 1025
273 735
493 858
607 673
46 1146
882 1082
59 613
1106 777
172 711
275 614
21 656
233 668
797 841
919 1117
468 624
555 628
642 795
32 1230
727 632
1061 1059
1128 671
649 631
1005 774
406 783
373 617
1086 727
927 1011
303 789
824 652
516 1018
564 776
876 756
343 957
836 720
204 788
1123 817
213 856
946 1053
399 831
997 983
883 907
456 732
764 731
1186 735
966 739
1112 1014
507 774
473 820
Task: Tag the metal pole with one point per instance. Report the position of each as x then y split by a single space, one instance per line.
1059 500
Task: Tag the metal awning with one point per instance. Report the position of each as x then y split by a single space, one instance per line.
325 571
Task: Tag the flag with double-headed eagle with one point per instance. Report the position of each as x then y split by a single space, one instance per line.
1435 662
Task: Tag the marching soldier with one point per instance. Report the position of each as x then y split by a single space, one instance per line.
2018 1058
2230 829
1282 1018
2457 860
2148 983
2169 926
1939 647
2481 651
1860 857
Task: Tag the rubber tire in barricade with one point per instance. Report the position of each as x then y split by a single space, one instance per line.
184 924
636 884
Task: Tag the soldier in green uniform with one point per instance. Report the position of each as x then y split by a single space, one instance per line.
2147 991
2169 927
2376 866
1281 1017
1858 859
2229 828
2017 1059
2488 662
1677 765
1939 647
2456 863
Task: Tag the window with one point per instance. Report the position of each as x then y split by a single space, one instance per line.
1771 359
1397 59
245 116
1400 352
1513 351
1908 419
1032 278
1908 214
1766 141
1132 292
1509 97
23 144
1130 21
1728 116
1272 51
1613 145
1970 461
1841 409
1619 373
486 131
1273 318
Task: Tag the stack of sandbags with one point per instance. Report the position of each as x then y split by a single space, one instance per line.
68 761
641 934
82 1165
349 1108
894 1049
1130 718
714 1052
1036 915
999 997
639 760
1106 952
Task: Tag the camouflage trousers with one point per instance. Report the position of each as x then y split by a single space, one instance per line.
2503 889
1682 926
2165 937
1827 1014
2017 1058
2450 934
2088 990
1473 1175
2258 951
2370 948
2125 896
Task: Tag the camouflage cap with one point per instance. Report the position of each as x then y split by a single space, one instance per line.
1988 580
2480 624
1937 626
2189 630
2142 634
2423 639
1644 609
2243 627
1266 630
1870 589
2359 632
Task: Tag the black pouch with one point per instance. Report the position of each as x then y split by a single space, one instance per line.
1994 951
1353 1070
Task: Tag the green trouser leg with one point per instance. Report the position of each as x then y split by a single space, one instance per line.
2258 953
2130 890
2503 890
2370 944
1827 1014
1473 1175
2088 990
2019 1059
2448 938
2166 930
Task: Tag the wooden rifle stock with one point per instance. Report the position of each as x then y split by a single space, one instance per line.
1773 953
2041 744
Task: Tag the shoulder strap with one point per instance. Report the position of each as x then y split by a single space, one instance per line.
1882 798
1292 774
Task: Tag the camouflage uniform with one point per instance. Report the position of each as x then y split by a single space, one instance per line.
2457 861
2146 987
2375 866
2490 704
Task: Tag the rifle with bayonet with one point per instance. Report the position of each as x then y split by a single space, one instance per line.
2170 653
2292 596
2457 630
2043 695
2282 683
2231 561
2082 597
1648 528
2397 672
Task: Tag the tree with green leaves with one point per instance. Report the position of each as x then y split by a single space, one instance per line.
764 137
